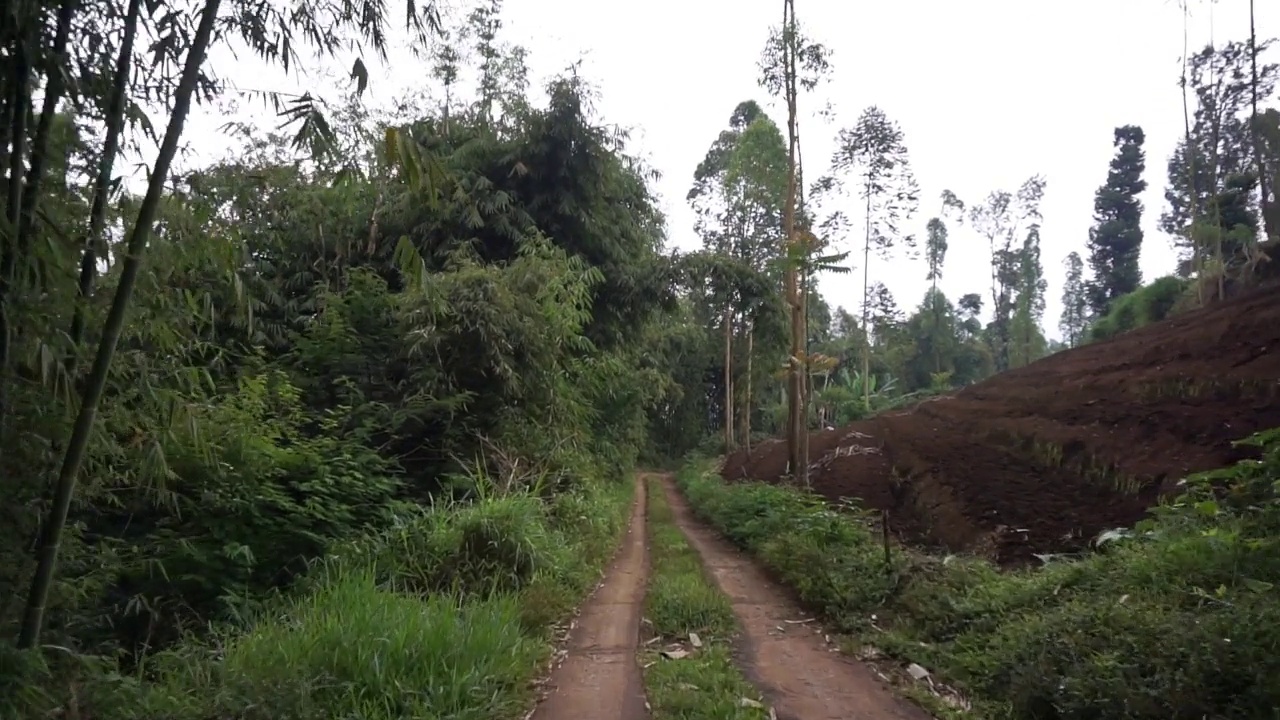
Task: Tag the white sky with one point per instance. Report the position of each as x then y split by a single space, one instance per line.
988 92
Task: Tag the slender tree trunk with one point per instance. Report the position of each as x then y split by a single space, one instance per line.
92 244
1267 229
804 377
1215 161
54 81
794 417
806 391
1197 264
866 315
51 530
746 399
19 101
728 378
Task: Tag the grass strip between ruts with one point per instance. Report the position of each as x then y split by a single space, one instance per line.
682 680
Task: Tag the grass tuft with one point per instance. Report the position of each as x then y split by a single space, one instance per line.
353 649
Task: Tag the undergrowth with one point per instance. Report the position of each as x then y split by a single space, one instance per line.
681 600
1178 618
445 615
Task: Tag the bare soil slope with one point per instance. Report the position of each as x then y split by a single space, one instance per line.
1042 458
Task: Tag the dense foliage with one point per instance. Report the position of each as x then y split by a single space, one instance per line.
329 331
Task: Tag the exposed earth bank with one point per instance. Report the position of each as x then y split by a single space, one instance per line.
1043 458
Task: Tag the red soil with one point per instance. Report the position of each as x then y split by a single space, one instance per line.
1043 458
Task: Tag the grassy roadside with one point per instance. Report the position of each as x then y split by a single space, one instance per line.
1181 619
681 600
451 614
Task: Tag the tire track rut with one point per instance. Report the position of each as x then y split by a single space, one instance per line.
600 678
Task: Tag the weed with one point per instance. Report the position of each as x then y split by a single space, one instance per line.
1077 460
1217 389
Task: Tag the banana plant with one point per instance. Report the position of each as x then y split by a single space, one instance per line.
853 396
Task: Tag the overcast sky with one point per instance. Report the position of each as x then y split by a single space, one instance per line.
988 93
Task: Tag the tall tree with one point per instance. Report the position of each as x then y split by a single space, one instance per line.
1000 219
937 333
705 196
1115 241
755 184
738 197
874 153
1027 342
1075 302
1219 142
936 238
935 247
791 61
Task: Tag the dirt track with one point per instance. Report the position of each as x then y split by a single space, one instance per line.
600 678
1042 458
798 673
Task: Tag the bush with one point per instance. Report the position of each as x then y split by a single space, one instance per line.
353 650
1150 303
1177 619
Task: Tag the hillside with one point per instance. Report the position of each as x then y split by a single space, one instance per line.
1042 458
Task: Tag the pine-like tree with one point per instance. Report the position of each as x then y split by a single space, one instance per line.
1026 340
1075 302
1115 241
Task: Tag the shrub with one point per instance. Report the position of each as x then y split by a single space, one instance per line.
354 650
1150 303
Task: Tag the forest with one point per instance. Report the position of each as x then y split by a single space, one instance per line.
388 373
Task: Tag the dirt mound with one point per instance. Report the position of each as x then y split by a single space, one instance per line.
1042 458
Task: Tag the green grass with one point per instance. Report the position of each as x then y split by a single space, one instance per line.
446 616
1181 620
706 685
353 650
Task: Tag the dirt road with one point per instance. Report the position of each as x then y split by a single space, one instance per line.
799 675
600 678
793 666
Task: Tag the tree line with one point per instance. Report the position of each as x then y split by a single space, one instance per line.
1219 210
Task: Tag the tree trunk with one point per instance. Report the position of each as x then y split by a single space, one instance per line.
866 317
804 379
794 418
102 185
17 131
1197 266
1267 228
40 148
728 378
805 279
51 529
746 396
